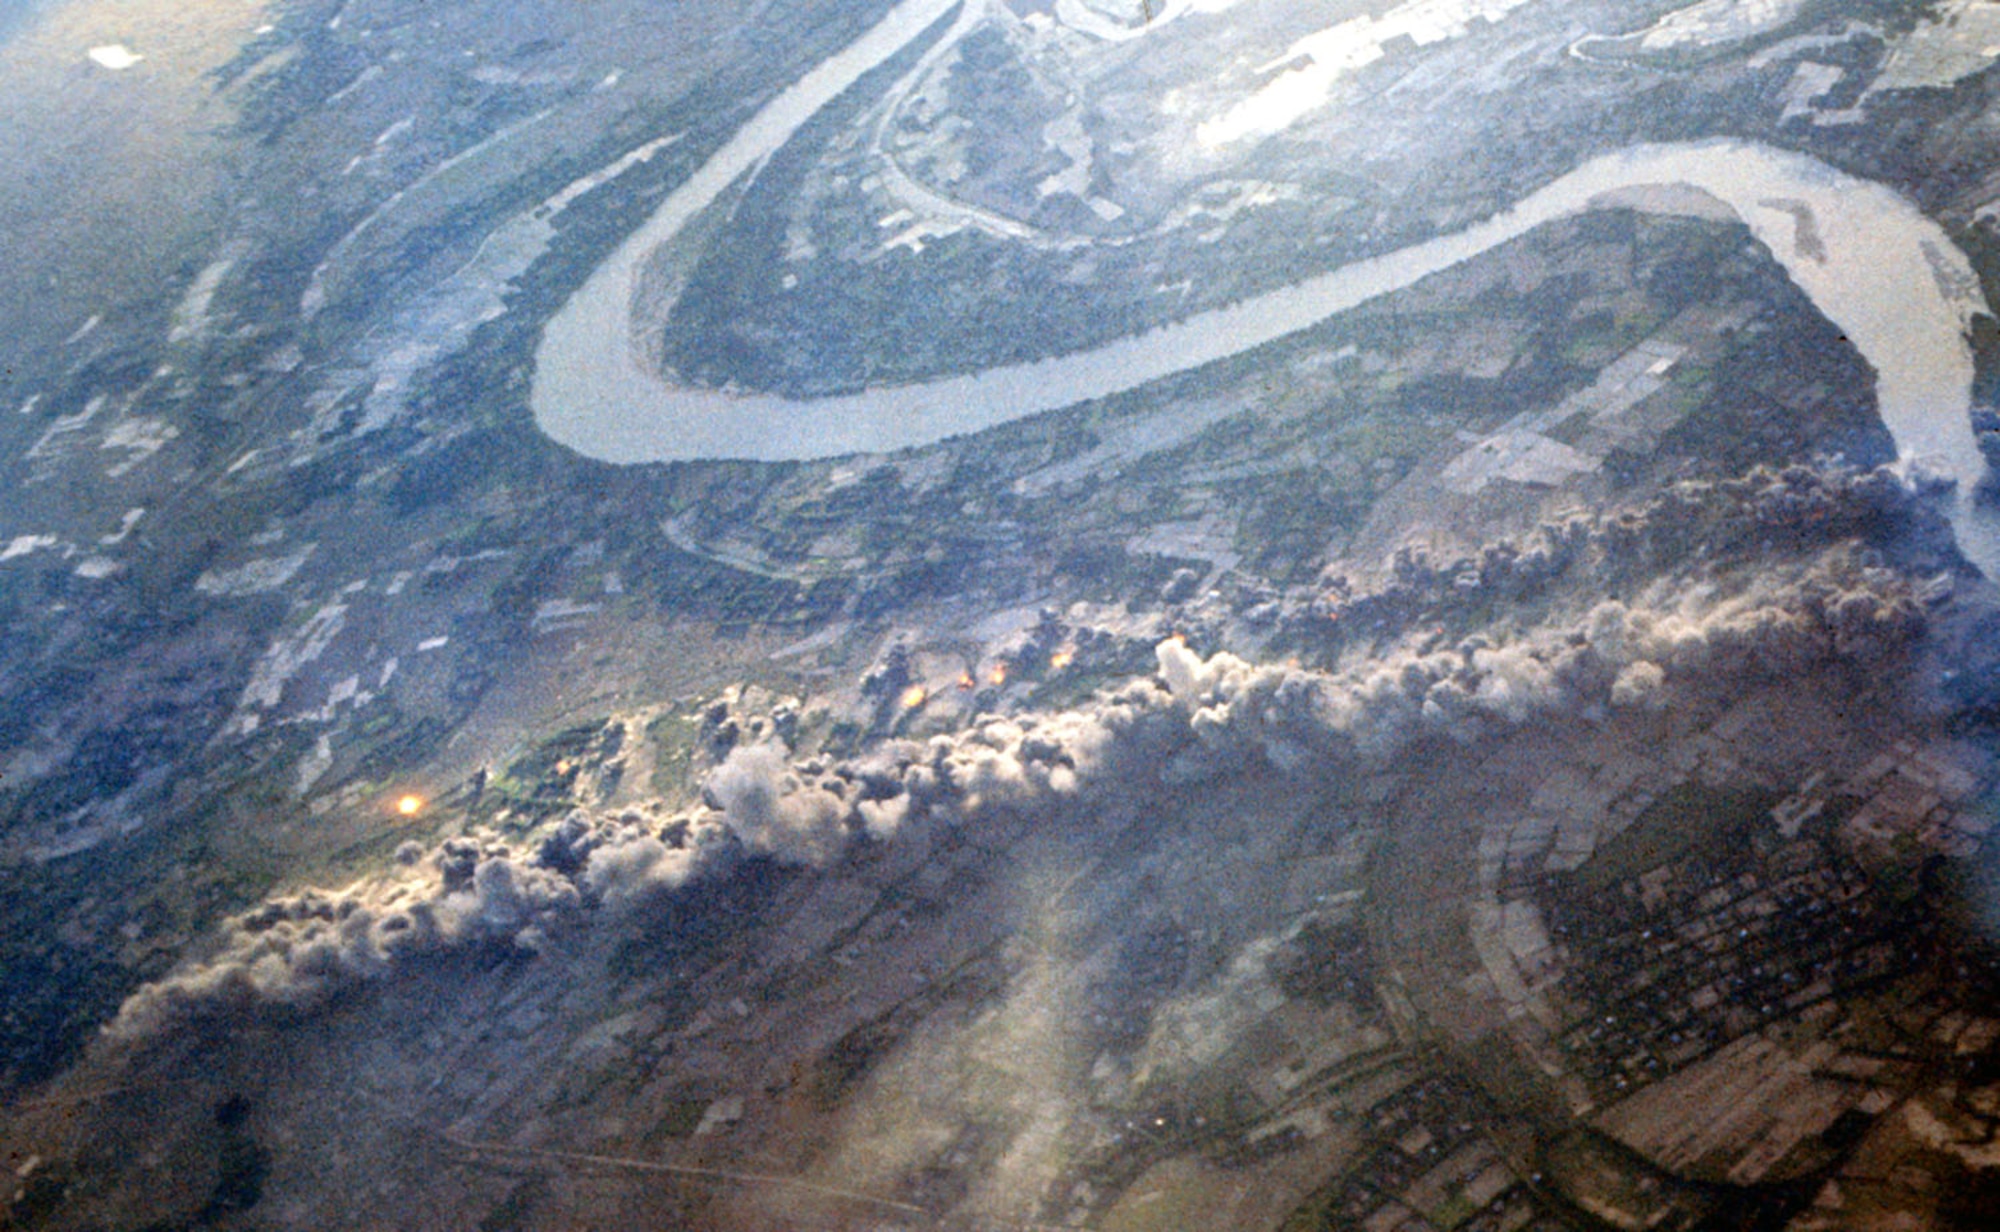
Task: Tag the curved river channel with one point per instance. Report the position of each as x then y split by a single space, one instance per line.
1869 260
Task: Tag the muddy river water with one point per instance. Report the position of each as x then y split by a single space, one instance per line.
1872 263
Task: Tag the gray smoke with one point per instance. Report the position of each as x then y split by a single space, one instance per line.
298 951
1201 718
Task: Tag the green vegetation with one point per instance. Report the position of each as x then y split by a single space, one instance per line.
400 745
541 783
1072 686
675 736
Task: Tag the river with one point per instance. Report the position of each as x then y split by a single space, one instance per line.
1869 260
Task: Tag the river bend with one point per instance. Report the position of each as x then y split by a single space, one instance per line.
1868 259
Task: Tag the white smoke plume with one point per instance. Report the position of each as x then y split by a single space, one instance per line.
1201 718
772 810
1770 512
299 951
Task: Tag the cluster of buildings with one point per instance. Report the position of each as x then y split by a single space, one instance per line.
1429 1163
1670 966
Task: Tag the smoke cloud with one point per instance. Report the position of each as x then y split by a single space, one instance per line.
1200 718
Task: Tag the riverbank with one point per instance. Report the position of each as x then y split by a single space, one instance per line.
1869 260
